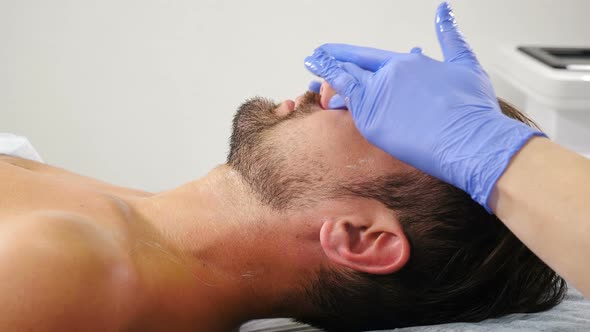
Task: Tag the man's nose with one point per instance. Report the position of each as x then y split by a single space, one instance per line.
285 108
326 93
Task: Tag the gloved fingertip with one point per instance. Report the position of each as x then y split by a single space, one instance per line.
314 86
318 61
416 50
337 102
324 65
450 38
445 6
445 18
311 65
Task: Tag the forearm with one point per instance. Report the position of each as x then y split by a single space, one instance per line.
543 197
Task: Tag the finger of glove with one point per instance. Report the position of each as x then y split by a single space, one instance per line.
337 103
365 57
454 47
356 71
314 86
325 66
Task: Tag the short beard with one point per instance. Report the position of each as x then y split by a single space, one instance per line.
262 163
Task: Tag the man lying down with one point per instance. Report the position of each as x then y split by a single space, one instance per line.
306 220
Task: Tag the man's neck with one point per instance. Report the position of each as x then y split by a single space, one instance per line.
239 255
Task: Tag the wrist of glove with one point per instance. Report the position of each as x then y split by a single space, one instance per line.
475 160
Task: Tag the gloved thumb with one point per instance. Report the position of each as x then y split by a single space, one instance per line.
314 86
454 47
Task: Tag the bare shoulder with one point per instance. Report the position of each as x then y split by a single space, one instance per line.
9 165
62 272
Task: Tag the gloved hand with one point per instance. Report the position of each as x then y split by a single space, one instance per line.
440 117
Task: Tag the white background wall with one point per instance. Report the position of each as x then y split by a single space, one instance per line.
142 92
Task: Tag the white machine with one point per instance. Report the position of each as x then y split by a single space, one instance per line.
552 85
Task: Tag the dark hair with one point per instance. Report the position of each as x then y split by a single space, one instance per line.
465 265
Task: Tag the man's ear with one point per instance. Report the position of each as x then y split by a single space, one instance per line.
369 241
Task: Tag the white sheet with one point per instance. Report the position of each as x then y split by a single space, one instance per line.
18 146
573 314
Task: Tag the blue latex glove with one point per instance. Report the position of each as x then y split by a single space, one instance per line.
440 117
369 57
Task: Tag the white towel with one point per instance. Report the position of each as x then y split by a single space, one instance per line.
18 146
